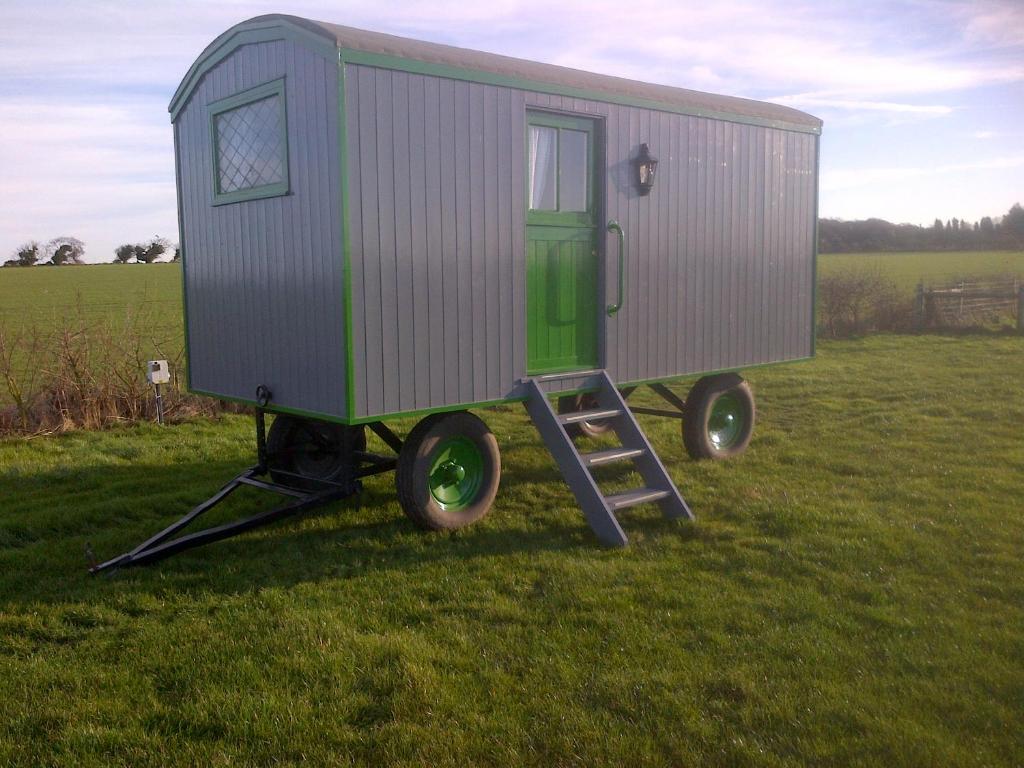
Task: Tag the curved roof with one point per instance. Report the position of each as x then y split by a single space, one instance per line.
383 49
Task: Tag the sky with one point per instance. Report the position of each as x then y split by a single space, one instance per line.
923 100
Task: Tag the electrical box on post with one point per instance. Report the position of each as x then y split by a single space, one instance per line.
158 372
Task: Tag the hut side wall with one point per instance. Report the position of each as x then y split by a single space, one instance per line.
263 278
719 255
435 170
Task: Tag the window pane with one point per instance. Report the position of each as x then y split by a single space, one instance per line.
543 156
250 149
572 167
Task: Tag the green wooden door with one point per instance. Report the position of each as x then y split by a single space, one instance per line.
562 311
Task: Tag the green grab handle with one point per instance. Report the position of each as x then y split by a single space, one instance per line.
613 226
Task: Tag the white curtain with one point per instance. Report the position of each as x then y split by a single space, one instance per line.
542 167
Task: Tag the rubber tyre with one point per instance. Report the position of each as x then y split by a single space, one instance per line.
573 403
317 450
700 404
418 456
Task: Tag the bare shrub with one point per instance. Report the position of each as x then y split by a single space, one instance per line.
90 373
19 371
858 301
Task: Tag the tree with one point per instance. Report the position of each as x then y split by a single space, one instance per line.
124 253
151 251
177 253
65 250
26 255
1013 224
839 236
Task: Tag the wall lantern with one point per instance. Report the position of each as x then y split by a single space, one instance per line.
646 166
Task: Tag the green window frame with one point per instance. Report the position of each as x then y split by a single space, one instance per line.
274 89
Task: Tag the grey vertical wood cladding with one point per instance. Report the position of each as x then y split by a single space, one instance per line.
263 278
719 255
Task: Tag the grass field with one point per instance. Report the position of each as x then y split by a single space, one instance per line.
45 295
852 594
934 268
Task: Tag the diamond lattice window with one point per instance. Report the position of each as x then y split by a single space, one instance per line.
251 149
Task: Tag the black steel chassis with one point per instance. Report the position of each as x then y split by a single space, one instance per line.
665 394
317 493
164 544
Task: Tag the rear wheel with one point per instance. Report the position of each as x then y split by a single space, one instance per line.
301 452
719 418
584 402
448 471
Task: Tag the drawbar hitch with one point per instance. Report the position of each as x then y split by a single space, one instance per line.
316 493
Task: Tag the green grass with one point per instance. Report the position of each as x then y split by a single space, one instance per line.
46 295
937 267
851 594
128 302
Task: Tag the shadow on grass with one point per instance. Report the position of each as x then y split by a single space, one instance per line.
45 531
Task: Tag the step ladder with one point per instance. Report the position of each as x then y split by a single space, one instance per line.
576 467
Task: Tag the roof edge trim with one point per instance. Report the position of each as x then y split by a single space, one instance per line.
330 42
416 66
248 32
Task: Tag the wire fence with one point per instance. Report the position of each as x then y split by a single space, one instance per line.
982 302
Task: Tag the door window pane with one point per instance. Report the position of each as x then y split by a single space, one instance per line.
543 162
572 171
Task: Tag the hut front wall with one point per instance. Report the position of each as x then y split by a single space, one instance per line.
263 278
719 255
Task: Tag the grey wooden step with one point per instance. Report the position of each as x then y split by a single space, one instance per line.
592 415
577 468
633 498
599 458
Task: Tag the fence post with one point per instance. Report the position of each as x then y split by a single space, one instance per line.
919 305
1020 309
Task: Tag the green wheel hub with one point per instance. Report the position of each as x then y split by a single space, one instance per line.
727 420
456 473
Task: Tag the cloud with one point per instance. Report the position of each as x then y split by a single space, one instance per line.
832 181
810 100
85 146
104 173
999 22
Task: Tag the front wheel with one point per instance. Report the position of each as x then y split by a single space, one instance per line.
719 418
305 453
448 471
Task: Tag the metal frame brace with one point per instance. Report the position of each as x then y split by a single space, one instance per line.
163 544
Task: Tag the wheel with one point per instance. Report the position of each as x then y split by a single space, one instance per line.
572 403
719 417
317 450
448 471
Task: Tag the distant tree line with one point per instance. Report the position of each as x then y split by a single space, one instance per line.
834 236
144 253
70 250
59 251
1002 233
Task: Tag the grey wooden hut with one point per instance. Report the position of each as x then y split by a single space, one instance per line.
374 227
